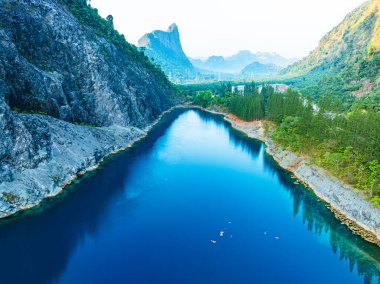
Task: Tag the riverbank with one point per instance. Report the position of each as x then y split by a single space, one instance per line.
76 150
49 179
348 206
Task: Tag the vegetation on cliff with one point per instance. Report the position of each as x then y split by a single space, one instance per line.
347 59
104 28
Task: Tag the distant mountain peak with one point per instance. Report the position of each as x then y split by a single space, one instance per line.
257 68
173 28
235 63
165 48
244 52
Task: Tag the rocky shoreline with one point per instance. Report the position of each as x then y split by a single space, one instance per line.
349 207
70 94
76 150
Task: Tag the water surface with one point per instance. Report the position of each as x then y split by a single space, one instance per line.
152 214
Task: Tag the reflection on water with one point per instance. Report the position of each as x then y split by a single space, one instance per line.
38 246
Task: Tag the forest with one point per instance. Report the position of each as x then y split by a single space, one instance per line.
346 143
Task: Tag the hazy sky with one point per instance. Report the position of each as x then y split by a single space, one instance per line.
291 28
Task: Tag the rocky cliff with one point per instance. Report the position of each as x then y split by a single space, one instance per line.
347 59
165 49
71 91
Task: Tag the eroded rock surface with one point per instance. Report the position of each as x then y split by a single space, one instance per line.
67 98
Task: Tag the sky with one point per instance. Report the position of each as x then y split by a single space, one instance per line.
291 28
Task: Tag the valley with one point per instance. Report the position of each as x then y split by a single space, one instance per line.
117 159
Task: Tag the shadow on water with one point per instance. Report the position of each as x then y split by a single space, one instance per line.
36 246
315 215
251 147
319 219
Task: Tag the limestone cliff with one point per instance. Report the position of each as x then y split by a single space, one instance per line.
165 49
71 91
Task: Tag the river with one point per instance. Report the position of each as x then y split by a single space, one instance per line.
193 202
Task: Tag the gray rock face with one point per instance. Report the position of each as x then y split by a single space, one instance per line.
52 64
43 153
166 50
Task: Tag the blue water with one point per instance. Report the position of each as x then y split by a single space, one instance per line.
150 214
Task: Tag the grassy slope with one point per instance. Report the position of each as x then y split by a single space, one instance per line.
347 60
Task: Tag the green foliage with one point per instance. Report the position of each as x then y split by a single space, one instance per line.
369 102
247 107
346 60
208 98
218 88
84 124
29 111
90 18
345 143
203 98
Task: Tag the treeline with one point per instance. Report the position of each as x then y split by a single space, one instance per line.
209 98
251 105
345 143
248 104
248 107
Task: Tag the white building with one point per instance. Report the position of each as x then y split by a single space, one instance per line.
239 88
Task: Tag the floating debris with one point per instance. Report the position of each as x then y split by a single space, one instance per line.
221 234
277 238
213 241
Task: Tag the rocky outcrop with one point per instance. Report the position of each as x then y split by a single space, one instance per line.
165 49
51 63
347 205
68 97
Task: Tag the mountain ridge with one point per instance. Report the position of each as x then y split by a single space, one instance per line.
165 48
238 61
346 58
257 68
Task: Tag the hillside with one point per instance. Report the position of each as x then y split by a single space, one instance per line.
257 69
71 91
347 59
165 49
237 62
